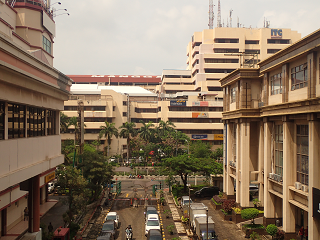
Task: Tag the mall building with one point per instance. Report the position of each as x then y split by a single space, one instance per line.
272 136
32 94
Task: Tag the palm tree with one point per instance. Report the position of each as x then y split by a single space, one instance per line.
127 130
165 127
64 123
73 121
108 131
146 132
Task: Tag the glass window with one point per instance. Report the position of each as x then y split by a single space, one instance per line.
51 122
35 122
303 154
233 94
2 115
279 149
46 45
299 76
276 84
16 121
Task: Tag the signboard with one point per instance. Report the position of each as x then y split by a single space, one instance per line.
50 177
218 137
316 202
178 102
200 104
199 136
200 115
276 33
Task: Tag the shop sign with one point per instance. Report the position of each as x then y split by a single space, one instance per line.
178 102
316 203
199 136
200 104
50 177
276 33
200 115
218 137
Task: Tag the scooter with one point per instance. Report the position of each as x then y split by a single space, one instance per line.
128 235
132 176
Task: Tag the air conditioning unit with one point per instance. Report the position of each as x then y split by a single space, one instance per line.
304 188
271 175
277 178
231 163
297 185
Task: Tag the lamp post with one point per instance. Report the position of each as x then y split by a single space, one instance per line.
207 223
189 205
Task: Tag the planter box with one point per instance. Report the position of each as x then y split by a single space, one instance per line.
225 217
215 206
236 218
250 230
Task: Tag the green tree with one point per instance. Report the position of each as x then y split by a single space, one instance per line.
183 165
165 127
96 170
200 149
108 130
218 153
249 213
70 178
128 131
272 229
146 132
64 123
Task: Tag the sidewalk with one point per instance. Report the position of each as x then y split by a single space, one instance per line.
21 227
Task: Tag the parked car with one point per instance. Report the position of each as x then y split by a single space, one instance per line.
113 216
154 234
150 210
207 192
109 226
105 236
185 200
152 223
50 187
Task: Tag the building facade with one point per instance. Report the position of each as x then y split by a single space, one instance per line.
272 125
32 93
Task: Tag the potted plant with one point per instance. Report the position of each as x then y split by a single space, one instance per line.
170 228
184 219
166 212
162 201
256 202
272 230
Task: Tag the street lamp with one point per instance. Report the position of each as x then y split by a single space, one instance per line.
207 223
189 206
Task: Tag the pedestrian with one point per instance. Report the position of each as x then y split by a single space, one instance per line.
306 232
301 232
26 214
50 228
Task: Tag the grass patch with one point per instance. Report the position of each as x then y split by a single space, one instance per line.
254 226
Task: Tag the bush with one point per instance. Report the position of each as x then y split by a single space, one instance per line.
217 200
227 205
272 229
236 210
253 226
249 213
280 235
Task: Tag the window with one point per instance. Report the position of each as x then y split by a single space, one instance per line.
299 76
146 110
226 40
278 152
252 51
303 154
226 50
2 115
278 41
195 53
35 122
16 121
276 84
113 108
51 122
124 103
46 45
218 70
234 141
195 120
233 94
251 41
124 114
272 51
221 60
214 88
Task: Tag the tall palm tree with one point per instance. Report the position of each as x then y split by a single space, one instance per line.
64 123
127 131
165 127
108 130
73 121
146 132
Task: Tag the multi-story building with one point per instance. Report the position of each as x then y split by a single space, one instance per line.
272 125
32 93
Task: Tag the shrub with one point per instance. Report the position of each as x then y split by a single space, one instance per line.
236 210
227 205
254 235
272 229
256 202
253 226
217 200
280 235
249 213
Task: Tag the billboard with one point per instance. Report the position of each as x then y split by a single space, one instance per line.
200 115
200 104
199 136
276 33
218 137
178 102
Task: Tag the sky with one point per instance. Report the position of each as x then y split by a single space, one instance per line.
143 37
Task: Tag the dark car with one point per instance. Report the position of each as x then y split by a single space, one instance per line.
207 192
105 236
154 234
150 210
109 226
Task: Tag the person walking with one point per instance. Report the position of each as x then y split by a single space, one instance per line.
301 233
50 228
26 214
306 232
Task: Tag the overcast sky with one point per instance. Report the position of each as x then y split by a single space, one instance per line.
143 37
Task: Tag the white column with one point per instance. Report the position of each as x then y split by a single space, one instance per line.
289 163
314 178
229 181
261 163
245 163
238 166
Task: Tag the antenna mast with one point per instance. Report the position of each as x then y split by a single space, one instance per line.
231 18
219 15
211 14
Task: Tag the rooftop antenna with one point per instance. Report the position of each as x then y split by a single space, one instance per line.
237 22
219 15
231 17
211 14
267 24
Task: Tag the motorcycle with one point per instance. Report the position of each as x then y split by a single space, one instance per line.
132 176
140 176
129 236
